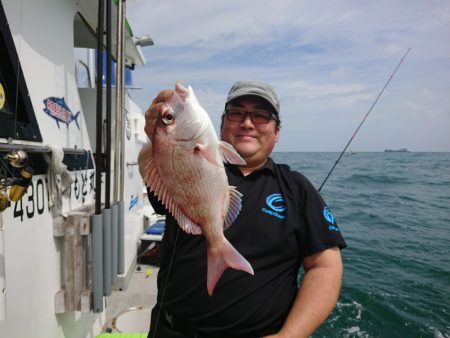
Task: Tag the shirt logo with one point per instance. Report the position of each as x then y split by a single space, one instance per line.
330 219
276 204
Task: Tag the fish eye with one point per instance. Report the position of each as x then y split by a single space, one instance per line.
168 117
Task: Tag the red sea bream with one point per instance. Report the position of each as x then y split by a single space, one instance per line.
185 170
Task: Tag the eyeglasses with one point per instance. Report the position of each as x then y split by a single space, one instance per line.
257 117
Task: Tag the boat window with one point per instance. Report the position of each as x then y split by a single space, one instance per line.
82 75
85 43
17 117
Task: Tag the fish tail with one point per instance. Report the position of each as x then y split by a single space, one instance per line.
76 119
219 260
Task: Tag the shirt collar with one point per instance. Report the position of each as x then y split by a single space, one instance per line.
268 167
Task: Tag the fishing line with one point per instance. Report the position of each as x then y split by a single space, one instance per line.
5 166
364 119
165 284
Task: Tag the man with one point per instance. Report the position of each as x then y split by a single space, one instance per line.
283 224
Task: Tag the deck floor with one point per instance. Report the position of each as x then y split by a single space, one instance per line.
141 292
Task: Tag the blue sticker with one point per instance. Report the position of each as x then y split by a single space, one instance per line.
133 202
57 108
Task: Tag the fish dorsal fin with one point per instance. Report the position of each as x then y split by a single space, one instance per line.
234 207
181 90
229 154
153 181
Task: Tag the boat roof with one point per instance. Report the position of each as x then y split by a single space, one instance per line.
85 26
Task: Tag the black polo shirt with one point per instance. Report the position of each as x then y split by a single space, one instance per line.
283 219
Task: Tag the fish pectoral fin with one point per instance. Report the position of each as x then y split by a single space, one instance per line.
229 154
208 154
234 206
227 257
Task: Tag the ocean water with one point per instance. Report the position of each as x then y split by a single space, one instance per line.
394 212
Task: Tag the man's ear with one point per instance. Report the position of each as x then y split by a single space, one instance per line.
277 134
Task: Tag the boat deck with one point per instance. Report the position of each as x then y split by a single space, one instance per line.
133 305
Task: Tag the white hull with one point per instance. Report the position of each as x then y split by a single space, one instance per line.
34 258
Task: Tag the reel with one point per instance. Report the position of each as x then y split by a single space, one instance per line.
18 184
17 158
4 201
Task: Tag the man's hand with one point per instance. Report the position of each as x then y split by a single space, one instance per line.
151 115
157 107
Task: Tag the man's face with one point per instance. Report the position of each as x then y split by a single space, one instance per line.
254 142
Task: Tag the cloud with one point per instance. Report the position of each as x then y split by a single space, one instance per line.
328 60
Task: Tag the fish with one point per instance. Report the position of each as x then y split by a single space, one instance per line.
57 108
185 170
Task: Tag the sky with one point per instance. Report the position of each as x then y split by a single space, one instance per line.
328 61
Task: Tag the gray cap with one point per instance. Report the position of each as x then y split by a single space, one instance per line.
257 88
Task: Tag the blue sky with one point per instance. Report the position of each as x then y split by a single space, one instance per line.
328 60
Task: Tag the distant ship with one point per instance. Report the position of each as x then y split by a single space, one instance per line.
401 150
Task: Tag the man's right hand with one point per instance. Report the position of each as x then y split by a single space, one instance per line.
151 115
157 107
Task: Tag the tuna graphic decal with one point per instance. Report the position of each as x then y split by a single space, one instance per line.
57 108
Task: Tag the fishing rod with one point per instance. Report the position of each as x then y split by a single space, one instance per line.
364 119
